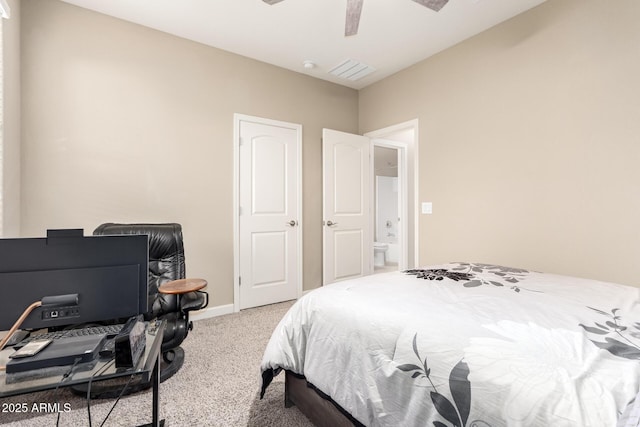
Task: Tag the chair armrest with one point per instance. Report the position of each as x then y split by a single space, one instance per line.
193 301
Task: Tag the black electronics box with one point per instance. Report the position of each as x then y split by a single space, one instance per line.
130 342
61 352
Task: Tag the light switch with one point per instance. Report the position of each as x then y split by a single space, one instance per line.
427 208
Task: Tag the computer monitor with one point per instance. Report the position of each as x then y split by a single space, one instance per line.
109 274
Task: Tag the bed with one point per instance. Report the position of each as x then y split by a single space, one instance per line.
463 344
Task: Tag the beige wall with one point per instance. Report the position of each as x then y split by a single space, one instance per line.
529 136
124 123
529 141
11 122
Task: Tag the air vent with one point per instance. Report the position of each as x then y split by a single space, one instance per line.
351 70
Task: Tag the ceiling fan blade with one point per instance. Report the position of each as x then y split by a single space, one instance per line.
354 8
271 1
431 4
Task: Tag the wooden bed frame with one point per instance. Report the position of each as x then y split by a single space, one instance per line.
321 410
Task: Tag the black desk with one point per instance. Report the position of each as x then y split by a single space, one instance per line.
148 366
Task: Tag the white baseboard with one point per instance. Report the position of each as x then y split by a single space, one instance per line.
219 310
207 313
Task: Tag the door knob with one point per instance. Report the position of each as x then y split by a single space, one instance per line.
331 223
292 223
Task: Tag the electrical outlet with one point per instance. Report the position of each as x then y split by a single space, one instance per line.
427 208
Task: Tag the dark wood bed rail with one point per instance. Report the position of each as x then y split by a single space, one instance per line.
314 404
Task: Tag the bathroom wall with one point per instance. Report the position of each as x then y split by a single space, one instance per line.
386 209
385 165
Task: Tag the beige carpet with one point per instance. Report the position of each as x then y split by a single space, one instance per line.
217 386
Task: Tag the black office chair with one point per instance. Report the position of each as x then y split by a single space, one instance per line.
166 263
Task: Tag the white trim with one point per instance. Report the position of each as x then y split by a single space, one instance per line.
237 118
381 134
210 312
236 212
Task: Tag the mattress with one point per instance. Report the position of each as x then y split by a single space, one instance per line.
467 344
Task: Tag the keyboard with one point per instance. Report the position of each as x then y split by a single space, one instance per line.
109 330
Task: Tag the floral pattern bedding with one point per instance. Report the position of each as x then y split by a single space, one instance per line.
466 344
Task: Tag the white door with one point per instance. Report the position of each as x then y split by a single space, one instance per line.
269 241
347 240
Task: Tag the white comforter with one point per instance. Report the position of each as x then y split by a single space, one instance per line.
467 345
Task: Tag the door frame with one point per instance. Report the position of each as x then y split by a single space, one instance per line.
412 172
237 118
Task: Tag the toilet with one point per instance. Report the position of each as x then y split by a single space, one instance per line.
379 253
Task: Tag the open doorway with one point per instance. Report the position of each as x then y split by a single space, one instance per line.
349 225
394 174
388 208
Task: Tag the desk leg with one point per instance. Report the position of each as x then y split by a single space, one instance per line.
155 409
156 392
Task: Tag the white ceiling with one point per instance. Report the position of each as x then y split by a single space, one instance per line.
393 34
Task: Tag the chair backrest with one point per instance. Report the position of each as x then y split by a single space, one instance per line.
166 259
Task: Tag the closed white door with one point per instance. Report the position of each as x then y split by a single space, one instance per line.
269 212
347 240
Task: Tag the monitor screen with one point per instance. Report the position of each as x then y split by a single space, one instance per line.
109 275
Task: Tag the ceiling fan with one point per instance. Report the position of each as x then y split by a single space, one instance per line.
354 8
